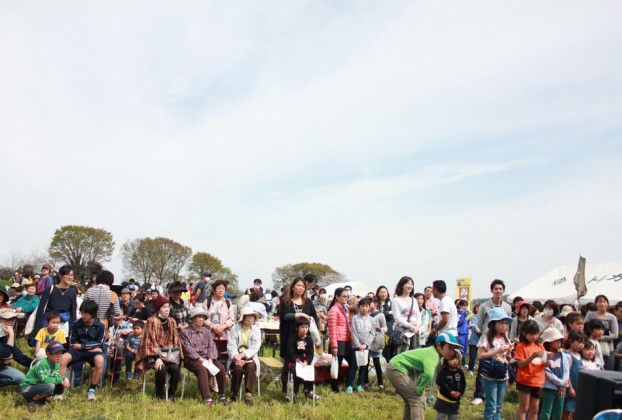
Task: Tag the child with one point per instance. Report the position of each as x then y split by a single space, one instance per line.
48 334
573 345
523 309
595 329
86 343
300 350
362 337
452 383
574 322
588 356
557 373
422 364
463 327
44 380
474 337
377 345
531 358
494 350
131 348
117 331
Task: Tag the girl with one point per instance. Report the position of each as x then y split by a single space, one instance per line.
363 334
610 324
406 313
463 326
474 336
425 324
588 356
523 309
451 382
339 332
595 329
557 373
573 345
385 307
531 358
495 350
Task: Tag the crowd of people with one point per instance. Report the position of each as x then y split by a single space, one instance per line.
428 336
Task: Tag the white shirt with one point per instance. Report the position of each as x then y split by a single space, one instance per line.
447 306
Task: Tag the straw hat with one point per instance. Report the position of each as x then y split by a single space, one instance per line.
248 311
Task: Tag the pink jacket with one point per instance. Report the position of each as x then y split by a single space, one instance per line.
338 325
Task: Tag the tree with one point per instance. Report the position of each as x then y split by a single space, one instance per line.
204 261
79 246
162 258
284 275
136 257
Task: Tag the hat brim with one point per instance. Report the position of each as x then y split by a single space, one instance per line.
255 314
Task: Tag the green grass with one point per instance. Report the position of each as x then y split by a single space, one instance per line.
126 401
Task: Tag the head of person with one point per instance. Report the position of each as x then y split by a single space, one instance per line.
255 295
405 287
118 320
322 292
104 277
574 322
297 289
420 298
529 332
46 269
552 339
340 298
125 295
498 323
551 309
617 310
439 288
257 284
4 296
497 288
537 307
348 289
197 316
575 341
154 293
248 317
454 360
475 308
31 289
446 345
602 303
52 319
88 311
589 351
161 306
158 281
175 290
302 327
219 287
54 351
374 304
363 306
427 292
138 327
594 328
515 303
139 300
316 290
65 275
310 280
383 293
462 305
132 281
523 309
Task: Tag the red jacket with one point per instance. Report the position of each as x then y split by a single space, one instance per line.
338 325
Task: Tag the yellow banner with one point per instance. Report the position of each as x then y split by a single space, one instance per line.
463 290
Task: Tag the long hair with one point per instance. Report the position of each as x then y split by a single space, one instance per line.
399 289
338 292
492 331
289 295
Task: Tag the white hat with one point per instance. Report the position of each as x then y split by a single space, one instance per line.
248 311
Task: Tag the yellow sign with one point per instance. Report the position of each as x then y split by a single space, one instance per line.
463 290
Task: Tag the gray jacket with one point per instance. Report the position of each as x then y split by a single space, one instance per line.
362 330
482 313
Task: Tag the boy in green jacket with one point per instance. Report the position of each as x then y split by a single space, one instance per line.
421 364
44 379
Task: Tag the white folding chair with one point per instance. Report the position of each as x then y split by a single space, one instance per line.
166 384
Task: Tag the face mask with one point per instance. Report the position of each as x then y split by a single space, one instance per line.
548 313
24 293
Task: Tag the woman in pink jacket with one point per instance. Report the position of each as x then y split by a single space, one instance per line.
339 329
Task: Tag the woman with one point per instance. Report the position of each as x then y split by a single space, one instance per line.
243 348
294 304
548 318
385 307
611 329
60 298
179 307
140 311
219 311
425 323
339 330
406 313
199 349
523 309
160 334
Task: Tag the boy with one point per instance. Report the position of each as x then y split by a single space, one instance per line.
86 343
452 383
131 348
120 329
422 363
300 350
44 379
48 334
463 327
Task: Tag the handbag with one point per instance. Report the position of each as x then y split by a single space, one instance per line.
334 368
493 368
170 355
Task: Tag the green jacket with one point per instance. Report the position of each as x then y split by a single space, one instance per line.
43 373
423 362
28 305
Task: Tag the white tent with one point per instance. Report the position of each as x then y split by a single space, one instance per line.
558 284
358 288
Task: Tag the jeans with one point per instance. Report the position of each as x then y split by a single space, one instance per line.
353 368
441 416
609 361
472 357
495 391
129 360
10 376
479 386
42 389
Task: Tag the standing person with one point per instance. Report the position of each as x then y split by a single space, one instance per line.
523 309
611 333
46 279
448 321
618 313
452 383
573 345
475 334
406 314
200 290
220 312
495 349
310 281
595 329
362 336
463 327
295 304
557 373
421 365
179 307
548 318
60 298
531 358
385 307
425 323
432 304
378 343
339 331
497 288
160 333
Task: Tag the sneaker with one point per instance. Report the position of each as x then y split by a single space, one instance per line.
349 390
137 376
90 395
57 397
223 399
311 395
128 375
248 399
288 398
477 401
359 389
209 402
471 373
34 405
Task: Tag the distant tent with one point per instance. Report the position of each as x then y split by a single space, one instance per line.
358 288
557 284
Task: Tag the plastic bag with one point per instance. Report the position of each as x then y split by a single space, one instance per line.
362 357
315 333
334 368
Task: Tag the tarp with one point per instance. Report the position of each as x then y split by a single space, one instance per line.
557 284
358 288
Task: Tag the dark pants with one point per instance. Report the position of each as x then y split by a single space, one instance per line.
308 385
248 371
353 368
479 386
160 380
129 359
203 376
472 356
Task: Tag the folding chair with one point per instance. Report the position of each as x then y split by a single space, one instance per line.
271 368
290 389
72 375
166 384
257 372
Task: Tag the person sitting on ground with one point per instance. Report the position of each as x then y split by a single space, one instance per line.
86 344
29 302
44 379
243 348
9 350
51 332
200 351
300 350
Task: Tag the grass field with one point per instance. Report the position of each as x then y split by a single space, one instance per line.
126 401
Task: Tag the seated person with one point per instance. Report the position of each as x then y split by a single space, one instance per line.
243 346
131 348
86 343
9 351
116 343
199 348
51 332
300 350
27 303
44 380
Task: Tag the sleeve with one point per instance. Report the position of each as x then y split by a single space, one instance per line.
189 351
382 321
426 376
286 314
332 327
20 357
45 296
473 321
520 353
444 306
551 377
290 353
40 337
231 314
72 334
354 325
309 354
98 341
212 350
613 331
462 387
399 319
116 309
513 328
233 343
483 343
312 312
482 315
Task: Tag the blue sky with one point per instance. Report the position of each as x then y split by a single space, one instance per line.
434 139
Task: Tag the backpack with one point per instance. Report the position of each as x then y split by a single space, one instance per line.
208 302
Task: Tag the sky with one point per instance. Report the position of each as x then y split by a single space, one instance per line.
438 140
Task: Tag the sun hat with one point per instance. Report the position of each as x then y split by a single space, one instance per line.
8 313
551 334
48 266
54 347
15 285
566 310
177 287
197 311
5 294
448 338
248 311
497 314
520 304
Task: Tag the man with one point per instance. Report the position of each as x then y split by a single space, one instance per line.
421 364
158 287
618 313
310 281
9 350
348 289
46 279
315 293
200 290
447 321
431 303
126 301
497 287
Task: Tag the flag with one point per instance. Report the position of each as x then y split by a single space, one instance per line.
579 278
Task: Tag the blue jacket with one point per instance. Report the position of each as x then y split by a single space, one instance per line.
463 324
88 336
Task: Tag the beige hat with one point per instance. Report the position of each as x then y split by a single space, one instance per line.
551 334
197 311
15 285
8 313
566 310
247 311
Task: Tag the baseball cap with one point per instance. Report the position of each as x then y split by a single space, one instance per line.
448 338
54 347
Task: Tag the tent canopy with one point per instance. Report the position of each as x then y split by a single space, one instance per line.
558 284
358 287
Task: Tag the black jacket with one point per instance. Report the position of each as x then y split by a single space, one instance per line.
450 380
299 349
